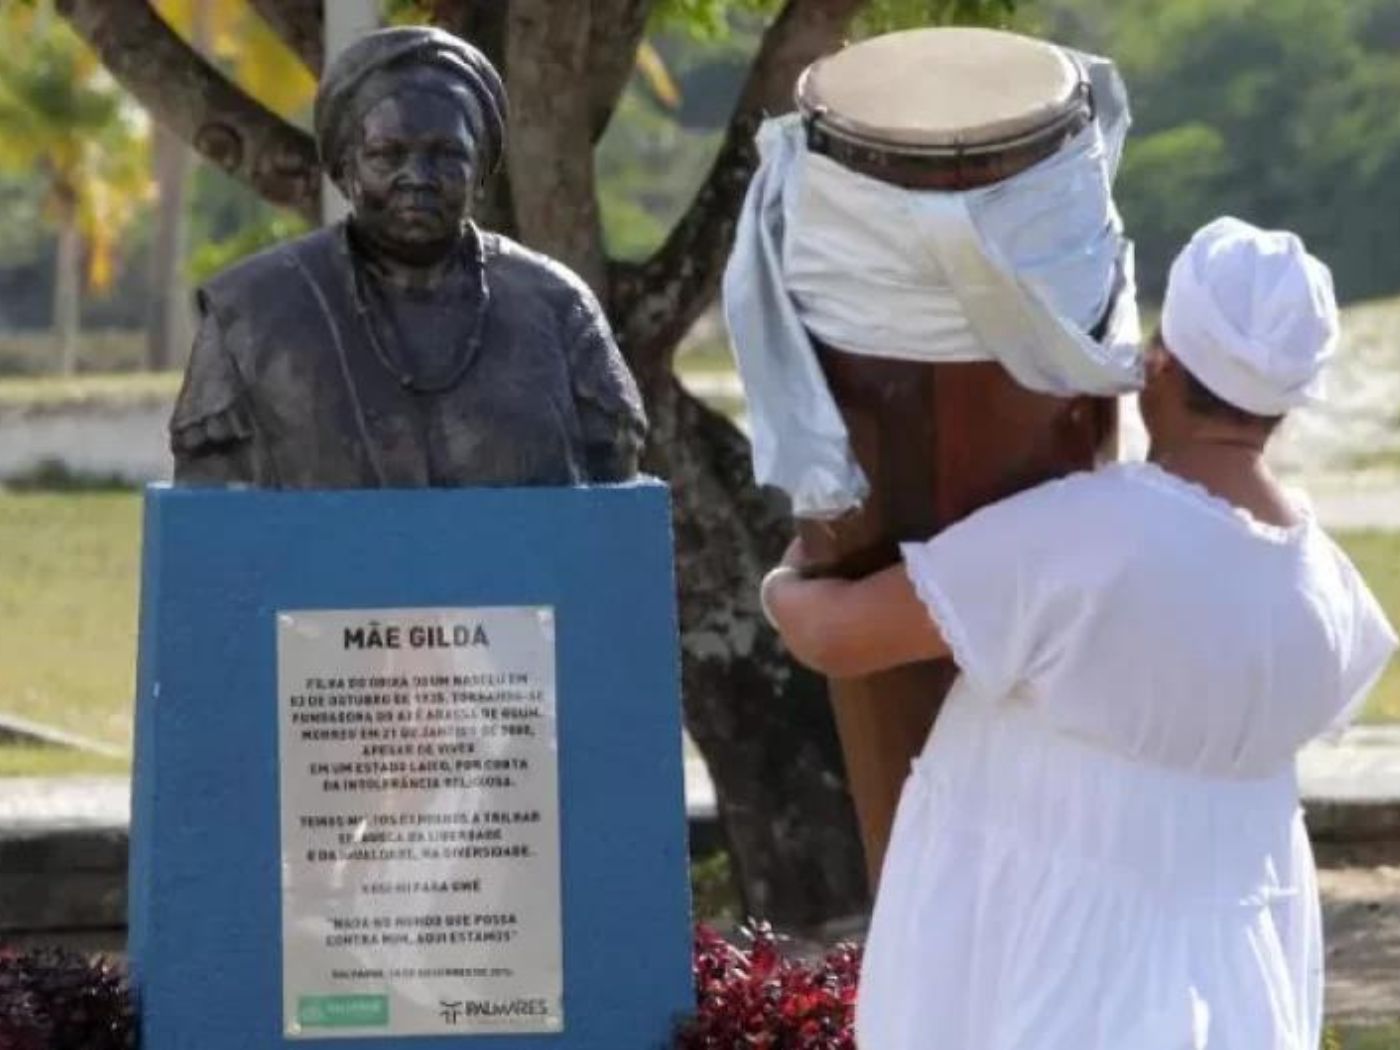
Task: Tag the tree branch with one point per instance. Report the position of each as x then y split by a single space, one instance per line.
655 303
481 22
198 103
302 26
616 32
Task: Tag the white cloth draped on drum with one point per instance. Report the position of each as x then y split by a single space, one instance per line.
1019 271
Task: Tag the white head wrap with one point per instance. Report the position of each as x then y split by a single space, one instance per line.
1251 315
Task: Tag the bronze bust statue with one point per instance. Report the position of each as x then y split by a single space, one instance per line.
405 347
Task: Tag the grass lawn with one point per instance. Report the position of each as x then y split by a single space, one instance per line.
1377 555
68 588
26 761
68 593
1386 1037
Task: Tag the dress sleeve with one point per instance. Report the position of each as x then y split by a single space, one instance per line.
997 588
211 432
1368 645
606 398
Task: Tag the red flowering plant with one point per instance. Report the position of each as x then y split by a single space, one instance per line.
759 999
746 999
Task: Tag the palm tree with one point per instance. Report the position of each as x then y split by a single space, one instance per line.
66 121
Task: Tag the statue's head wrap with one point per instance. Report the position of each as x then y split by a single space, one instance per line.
370 68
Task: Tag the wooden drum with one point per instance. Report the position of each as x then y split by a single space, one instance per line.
942 109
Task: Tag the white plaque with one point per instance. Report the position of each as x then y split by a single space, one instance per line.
420 822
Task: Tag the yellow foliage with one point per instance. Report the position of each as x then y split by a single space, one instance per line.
64 120
653 70
236 38
108 208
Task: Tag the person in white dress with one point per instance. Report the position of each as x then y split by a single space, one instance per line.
1101 846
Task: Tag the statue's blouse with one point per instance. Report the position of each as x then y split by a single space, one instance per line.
303 376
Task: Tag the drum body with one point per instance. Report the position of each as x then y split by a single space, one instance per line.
936 440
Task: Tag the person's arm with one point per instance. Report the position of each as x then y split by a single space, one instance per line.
847 628
995 592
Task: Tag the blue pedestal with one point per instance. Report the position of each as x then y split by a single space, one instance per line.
206 895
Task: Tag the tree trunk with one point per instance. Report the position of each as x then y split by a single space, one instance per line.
616 31
486 26
67 288
169 327
167 323
763 723
550 141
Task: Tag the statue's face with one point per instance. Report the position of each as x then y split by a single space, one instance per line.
411 175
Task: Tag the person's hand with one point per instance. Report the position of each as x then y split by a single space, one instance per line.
792 566
795 557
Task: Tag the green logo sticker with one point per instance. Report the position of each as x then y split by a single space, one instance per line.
343 1011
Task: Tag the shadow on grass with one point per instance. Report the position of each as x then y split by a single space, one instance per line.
1386 1037
52 475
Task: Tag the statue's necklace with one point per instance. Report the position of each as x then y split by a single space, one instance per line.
393 357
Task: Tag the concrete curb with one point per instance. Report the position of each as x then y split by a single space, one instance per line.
63 885
63 849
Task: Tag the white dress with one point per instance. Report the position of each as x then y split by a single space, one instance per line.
1101 847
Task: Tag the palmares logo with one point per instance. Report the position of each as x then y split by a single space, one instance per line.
343 1011
466 1010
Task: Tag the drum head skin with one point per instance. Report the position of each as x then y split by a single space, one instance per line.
942 88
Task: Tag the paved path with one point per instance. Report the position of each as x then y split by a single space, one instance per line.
29 804
1361 923
1363 766
1355 502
